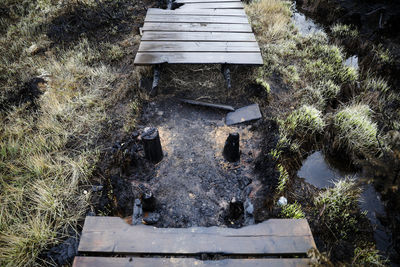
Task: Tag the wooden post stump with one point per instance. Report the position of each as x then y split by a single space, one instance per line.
152 145
231 149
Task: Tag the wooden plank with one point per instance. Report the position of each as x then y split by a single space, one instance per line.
198 19
195 27
110 235
184 262
198 58
205 1
198 36
150 46
224 5
198 12
206 104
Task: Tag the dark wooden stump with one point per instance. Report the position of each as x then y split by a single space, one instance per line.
149 201
231 149
152 145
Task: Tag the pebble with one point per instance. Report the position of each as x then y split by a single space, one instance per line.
282 201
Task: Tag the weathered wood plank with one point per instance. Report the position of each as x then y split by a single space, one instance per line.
224 5
185 262
205 1
195 27
199 36
198 12
198 58
206 104
150 46
276 227
198 19
263 239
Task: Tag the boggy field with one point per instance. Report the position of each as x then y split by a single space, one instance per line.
72 110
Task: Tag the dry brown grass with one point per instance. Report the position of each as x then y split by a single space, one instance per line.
269 19
48 154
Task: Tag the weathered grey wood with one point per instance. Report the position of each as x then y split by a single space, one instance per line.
198 12
198 58
195 18
195 27
185 262
150 46
205 1
199 36
224 5
113 235
205 104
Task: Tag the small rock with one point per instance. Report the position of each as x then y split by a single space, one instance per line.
33 49
160 113
282 201
152 218
137 212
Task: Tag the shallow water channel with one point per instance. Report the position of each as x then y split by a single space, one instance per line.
321 172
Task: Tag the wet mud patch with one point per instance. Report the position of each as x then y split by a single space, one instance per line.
194 185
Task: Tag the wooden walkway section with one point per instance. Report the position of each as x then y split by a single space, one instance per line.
198 32
257 245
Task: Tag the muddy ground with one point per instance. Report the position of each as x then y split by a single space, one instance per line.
194 185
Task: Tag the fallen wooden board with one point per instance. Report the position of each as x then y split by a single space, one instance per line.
198 12
185 262
205 104
224 5
244 114
160 46
195 27
195 18
198 58
199 36
272 237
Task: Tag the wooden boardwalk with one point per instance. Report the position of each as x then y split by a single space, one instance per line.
200 31
256 245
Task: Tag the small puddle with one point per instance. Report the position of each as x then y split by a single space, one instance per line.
320 172
352 62
304 24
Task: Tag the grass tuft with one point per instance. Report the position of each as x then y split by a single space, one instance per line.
305 121
355 131
338 207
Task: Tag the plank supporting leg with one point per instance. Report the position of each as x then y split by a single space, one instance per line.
156 79
227 75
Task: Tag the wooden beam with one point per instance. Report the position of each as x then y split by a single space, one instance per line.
198 36
194 18
161 46
195 27
185 262
224 5
198 58
198 12
272 237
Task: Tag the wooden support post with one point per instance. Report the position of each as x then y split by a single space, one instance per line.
152 145
231 149
227 75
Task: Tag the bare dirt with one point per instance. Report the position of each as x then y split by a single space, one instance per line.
194 185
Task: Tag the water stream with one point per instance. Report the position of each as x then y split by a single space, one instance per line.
319 171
